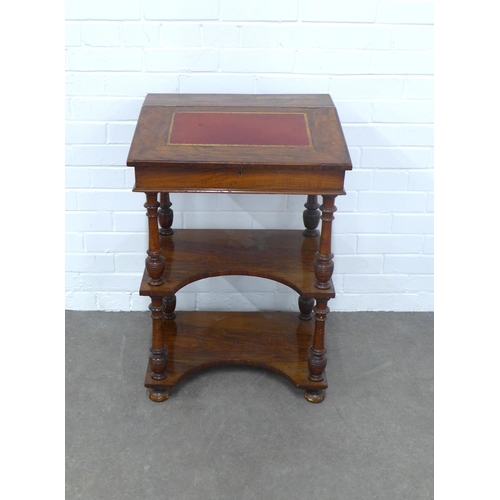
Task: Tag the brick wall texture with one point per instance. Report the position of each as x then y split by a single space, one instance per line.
375 59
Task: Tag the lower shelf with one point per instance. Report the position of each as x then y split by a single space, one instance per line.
276 341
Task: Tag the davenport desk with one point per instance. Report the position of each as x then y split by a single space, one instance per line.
271 144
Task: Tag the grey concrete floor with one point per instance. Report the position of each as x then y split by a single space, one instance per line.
240 433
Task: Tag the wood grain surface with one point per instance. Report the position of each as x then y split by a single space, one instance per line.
286 256
226 143
276 341
150 145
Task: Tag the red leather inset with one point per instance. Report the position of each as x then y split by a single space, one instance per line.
240 129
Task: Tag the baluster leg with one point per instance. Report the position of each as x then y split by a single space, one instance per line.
323 265
169 303
155 263
317 352
158 354
305 307
311 216
165 215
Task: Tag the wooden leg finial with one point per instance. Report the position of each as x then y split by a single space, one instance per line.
158 395
315 396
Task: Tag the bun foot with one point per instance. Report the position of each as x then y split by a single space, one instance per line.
158 396
315 396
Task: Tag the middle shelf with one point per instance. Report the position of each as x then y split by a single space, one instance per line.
285 256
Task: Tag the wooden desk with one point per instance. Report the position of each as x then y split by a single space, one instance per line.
272 144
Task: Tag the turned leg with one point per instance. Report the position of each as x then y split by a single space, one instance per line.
165 215
317 352
311 215
158 353
155 263
169 304
305 307
323 265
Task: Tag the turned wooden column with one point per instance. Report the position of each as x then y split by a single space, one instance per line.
311 215
317 352
155 263
323 265
165 215
158 354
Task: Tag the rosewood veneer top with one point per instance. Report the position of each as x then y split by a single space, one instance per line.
227 130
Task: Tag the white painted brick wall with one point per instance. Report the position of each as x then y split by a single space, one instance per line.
374 57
